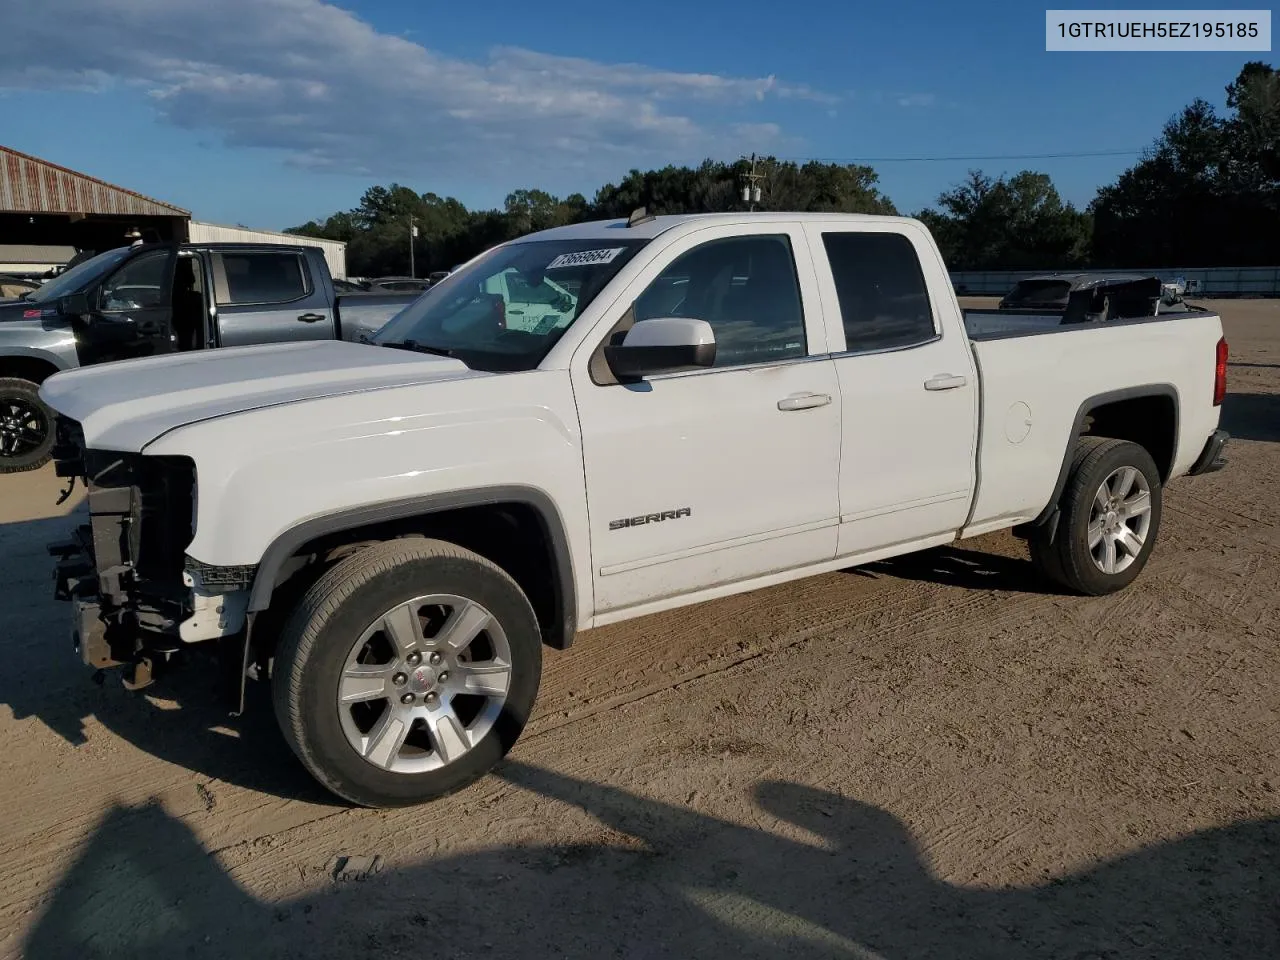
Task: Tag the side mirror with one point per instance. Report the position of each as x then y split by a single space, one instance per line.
74 304
662 345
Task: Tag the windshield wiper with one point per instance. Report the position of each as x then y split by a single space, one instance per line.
417 347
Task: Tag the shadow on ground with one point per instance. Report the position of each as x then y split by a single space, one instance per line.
666 881
182 718
958 567
1252 416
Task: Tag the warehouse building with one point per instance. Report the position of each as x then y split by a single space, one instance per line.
49 213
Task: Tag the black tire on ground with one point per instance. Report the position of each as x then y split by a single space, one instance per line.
335 612
1068 561
26 427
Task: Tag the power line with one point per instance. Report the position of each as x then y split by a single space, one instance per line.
996 156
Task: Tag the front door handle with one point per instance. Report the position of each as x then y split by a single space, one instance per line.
311 318
804 401
945 381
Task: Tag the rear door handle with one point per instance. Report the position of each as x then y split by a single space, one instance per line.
311 317
804 401
945 381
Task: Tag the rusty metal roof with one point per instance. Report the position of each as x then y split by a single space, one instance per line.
31 185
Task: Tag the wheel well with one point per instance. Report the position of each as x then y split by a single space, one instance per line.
1149 421
513 535
27 368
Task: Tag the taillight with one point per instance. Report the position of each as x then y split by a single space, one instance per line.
1220 374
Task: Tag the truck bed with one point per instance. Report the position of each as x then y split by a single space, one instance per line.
1035 388
996 324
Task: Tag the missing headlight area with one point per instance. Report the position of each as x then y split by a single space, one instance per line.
129 558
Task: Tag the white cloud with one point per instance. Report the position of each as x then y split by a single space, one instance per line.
313 80
916 100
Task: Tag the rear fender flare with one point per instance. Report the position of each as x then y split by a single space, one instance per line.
1048 517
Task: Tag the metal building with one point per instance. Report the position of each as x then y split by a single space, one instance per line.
48 211
44 204
26 259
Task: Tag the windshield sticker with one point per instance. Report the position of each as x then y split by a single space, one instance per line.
584 258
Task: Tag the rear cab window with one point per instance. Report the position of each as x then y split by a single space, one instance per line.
880 286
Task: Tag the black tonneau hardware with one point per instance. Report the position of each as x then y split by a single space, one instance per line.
1114 300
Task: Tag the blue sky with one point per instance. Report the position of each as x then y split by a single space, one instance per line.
271 112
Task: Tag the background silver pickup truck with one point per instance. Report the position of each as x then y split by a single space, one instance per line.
160 298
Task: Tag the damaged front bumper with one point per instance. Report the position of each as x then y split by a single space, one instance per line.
136 597
76 581
101 637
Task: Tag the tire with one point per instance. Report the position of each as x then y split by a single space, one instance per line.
1069 560
26 427
323 651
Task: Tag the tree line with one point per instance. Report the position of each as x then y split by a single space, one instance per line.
1205 193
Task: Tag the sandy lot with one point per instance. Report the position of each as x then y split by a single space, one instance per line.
929 757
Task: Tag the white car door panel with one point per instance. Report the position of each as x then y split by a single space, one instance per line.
701 478
908 390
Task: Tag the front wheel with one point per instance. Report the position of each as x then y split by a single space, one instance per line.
406 672
1110 515
26 427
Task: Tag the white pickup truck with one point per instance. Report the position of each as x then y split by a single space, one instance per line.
392 530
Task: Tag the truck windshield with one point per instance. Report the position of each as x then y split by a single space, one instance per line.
79 276
506 310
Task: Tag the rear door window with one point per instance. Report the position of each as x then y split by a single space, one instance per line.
884 304
265 276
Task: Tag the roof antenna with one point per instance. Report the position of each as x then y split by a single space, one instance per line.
639 215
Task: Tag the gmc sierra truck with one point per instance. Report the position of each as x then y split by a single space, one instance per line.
706 404
148 299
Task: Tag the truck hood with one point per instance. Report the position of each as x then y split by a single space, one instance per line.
125 405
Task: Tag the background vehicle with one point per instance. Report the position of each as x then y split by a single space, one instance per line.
734 401
155 299
397 285
531 307
1052 292
11 288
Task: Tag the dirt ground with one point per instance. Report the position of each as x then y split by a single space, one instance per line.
930 757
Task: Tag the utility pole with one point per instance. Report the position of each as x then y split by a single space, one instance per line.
751 190
413 233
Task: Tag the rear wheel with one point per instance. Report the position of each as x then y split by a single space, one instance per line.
1110 516
406 672
26 427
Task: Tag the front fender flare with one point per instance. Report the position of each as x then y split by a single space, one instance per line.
291 540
